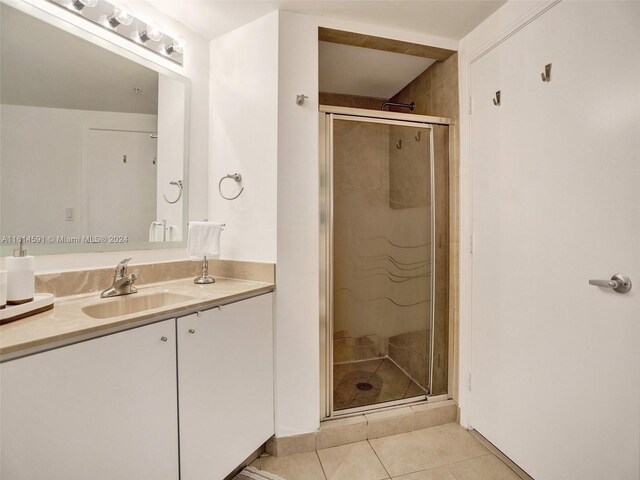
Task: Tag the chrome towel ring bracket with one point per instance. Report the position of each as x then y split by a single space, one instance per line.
236 177
179 185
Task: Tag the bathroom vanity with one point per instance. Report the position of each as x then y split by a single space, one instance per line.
154 394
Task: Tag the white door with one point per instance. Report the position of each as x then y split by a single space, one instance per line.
104 409
556 202
121 183
225 386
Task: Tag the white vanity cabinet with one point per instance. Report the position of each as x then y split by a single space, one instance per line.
103 409
225 386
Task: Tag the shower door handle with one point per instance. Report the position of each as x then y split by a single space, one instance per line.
619 283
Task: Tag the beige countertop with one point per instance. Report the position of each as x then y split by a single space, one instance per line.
67 323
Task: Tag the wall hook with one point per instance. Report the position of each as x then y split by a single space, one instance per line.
496 100
546 76
417 137
300 99
399 145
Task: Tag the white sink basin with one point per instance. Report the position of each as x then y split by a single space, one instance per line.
134 303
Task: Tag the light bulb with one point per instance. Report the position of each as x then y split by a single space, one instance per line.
177 46
153 31
120 16
80 4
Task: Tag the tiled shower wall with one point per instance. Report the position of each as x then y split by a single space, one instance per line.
435 93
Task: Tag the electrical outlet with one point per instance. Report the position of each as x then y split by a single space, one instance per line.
68 214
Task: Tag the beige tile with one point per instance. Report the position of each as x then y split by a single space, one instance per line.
391 422
348 431
487 467
342 422
373 396
355 461
345 379
301 466
419 367
391 413
451 442
390 378
282 446
414 390
437 473
344 350
405 453
434 414
345 369
399 354
365 352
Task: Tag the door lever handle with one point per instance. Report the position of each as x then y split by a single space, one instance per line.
619 283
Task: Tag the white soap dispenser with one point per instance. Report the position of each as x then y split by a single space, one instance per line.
20 276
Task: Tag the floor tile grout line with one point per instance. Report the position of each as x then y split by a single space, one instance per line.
379 459
321 466
467 459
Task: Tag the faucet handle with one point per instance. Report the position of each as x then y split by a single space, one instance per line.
121 269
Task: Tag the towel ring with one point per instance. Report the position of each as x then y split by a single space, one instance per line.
179 185
235 177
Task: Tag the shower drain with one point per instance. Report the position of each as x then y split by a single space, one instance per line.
364 386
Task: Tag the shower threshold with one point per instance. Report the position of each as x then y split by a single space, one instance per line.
372 383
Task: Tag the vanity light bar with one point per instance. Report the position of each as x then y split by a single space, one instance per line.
122 22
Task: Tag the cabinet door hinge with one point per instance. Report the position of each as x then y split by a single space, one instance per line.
471 243
469 382
470 105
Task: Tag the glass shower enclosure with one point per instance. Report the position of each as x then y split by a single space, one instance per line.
385 313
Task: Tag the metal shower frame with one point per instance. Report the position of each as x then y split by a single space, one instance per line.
327 115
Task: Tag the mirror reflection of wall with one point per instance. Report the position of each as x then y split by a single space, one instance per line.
91 141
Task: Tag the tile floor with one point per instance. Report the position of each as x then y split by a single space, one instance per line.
446 452
388 382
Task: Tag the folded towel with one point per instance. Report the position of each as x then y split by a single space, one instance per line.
203 239
156 232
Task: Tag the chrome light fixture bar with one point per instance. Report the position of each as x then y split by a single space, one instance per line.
123 23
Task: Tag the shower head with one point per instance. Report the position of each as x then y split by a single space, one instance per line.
411 106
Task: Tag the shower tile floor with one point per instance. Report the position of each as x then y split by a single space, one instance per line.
384 380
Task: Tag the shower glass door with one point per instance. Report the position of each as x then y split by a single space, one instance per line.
381 285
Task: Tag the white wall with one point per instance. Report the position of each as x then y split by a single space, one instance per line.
293 60
42 167
196 69
171 141
297 297
244 138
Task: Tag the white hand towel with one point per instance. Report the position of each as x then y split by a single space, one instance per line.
155 232
203 239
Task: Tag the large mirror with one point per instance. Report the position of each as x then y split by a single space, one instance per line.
92 144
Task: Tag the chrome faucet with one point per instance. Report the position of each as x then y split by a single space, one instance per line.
122 283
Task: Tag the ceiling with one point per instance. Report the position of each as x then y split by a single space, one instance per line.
51 68
444 18
366 72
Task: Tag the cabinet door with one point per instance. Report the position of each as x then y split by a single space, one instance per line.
101 409
225 386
